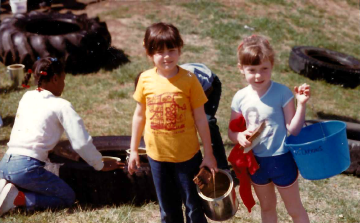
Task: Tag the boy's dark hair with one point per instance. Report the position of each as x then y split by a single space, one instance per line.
44 69
161 35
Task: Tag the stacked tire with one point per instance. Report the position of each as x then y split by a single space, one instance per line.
105 188
79 41
319 63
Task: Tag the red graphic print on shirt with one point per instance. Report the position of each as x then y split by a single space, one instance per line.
167 111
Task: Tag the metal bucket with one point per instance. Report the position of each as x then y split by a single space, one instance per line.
16 72
225 204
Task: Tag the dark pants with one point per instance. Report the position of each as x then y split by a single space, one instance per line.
211 107
174 185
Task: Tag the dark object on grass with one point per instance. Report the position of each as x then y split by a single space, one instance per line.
82 43
354 167
318 63
105 188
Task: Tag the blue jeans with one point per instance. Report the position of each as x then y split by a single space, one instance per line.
174 185
211 107
42 188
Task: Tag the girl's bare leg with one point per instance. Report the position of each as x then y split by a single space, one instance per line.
267 197
291 197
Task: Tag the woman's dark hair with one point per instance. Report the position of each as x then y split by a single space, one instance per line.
252 109
161 35
44 69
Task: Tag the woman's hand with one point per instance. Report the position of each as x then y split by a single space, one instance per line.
134 161
302 93
242 138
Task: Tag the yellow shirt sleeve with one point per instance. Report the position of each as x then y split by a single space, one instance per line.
139 92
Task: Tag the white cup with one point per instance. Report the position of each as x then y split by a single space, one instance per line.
18 6
16 72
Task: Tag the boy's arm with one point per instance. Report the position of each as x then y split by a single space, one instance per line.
294 119
138 124
204 132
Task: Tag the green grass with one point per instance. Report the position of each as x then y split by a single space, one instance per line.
212 31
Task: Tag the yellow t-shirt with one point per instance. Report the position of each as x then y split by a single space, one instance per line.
170 131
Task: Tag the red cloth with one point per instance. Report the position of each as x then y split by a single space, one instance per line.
20 199
243 164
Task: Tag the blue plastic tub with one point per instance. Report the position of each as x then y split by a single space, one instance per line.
320 150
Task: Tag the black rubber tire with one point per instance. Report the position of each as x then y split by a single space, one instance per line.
104 188
318 63
354 167
79 41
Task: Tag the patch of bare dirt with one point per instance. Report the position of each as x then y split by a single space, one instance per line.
125 37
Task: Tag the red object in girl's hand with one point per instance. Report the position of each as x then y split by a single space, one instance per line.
43 73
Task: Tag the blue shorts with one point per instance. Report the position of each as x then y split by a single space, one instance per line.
281 170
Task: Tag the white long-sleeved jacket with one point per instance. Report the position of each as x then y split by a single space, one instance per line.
40 121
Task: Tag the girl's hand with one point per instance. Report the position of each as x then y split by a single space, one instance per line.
242 138
210 162
134 162
302 93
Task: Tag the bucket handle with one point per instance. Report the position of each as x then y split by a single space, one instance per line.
322 130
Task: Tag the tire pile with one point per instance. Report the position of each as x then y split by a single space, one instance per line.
105 188
82 43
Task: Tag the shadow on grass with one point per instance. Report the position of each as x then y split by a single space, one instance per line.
76 208
3 142
110 59
9 89
323 115
8 121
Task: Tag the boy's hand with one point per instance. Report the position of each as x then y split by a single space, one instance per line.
242 138
134 162
210 162
203 177
302 93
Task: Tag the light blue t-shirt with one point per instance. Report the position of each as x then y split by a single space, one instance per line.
202 72
270 108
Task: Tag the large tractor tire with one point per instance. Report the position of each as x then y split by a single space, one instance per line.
105 188
79 41
318 63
